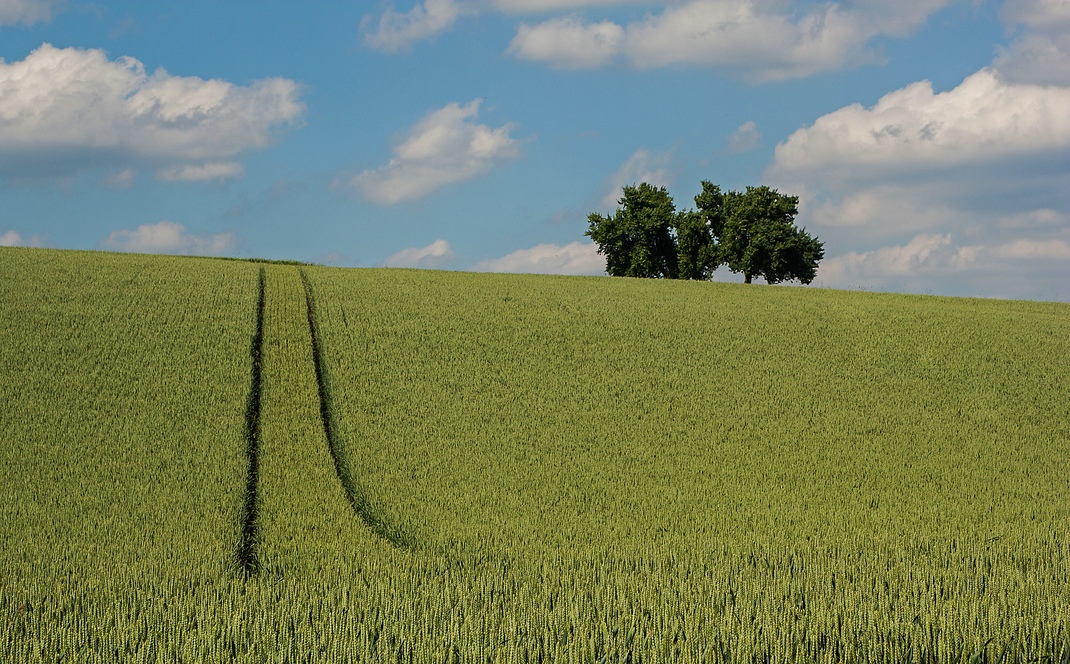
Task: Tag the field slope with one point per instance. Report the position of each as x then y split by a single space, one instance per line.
465 467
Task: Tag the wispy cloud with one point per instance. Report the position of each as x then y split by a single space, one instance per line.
641 166
1040 52
445 147
213 171
26 11
168 237
575 258
753 39
935 263
745 138
12 238
757 41
435 255
395 31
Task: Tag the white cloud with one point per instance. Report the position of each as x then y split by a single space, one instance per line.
25 11
755 39
1040 54
742 36
642 166
12 238
211 171
887 187
982 120
435 255
167 237
933 263
573 258
395 31
882 208
1033 58
446 146
1038 14
745 138
922 251
64 110
568 43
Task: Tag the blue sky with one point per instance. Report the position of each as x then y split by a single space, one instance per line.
928 140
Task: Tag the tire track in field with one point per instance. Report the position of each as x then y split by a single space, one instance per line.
247 553
360 502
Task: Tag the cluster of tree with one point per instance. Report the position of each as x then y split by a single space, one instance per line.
752 232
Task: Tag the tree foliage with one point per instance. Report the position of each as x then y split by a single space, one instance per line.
759 237
751 232
637 240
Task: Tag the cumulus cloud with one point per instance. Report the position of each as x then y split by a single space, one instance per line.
445 147
167 237
960 191
395 31
983 119
568 43
978 155
25 11
435 255
642 166
65 110
745 138
574 258
757 40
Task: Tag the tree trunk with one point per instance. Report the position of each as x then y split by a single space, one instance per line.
746 277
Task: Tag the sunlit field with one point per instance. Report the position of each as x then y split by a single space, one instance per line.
468 467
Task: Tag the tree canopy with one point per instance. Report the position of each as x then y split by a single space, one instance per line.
637 240
751 232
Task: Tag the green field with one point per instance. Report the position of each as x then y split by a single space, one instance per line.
481 468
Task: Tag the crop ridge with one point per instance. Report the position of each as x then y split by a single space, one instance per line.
359 500
247 554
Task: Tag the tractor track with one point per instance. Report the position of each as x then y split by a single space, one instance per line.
361 504
247 553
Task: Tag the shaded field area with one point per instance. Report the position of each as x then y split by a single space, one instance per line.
465 467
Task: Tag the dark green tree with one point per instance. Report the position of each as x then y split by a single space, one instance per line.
696 251
637 240
760 239
753 232
710 204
